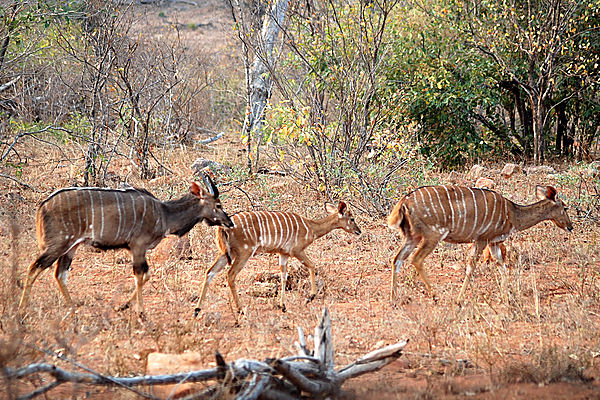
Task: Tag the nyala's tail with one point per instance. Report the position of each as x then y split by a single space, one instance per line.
396 217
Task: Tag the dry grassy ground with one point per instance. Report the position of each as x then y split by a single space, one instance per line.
541 343
547 331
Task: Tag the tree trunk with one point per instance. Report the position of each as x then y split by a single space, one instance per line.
261 80
538 129
562 139
525 116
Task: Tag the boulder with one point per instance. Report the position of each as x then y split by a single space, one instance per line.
476 171
485 183
510 170
201 164
540 169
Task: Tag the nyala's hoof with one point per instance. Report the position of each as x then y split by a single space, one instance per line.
310 298
123 307
196 312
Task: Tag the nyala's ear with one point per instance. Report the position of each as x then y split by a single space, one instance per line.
196 190
342 207
545 192
330 208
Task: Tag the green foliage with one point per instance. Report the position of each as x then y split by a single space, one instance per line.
79 124
444 91
548 49
284 122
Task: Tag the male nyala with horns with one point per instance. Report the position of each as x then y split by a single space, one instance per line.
115 218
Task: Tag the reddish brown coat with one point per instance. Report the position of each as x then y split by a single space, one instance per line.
458 214
284 233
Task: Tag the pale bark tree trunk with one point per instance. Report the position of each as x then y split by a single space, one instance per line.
261 80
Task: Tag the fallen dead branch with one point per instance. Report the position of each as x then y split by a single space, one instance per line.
309 372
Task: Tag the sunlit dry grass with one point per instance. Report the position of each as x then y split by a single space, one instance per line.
552 308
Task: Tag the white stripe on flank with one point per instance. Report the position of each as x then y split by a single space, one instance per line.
451 207
487 227
285 230
68 223
416 201
252 225
464 214
123 209
474 221
433 212
267 228
63 227
270 227
305 227
92 208
280 231
274 230
482 192
265 222
118 234
435 189
420 191
252 234
499 199
260 229
132 197
288 237
101 217
86 227
80 226
506 216
296 230
500 216
143 216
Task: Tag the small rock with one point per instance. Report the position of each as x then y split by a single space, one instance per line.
476 171
510 169
201 163
485 183
540 169
590 171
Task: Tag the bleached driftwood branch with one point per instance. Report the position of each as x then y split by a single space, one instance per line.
214 138
9 84
284 378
